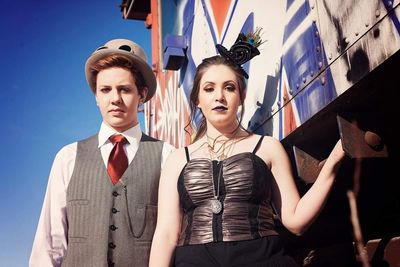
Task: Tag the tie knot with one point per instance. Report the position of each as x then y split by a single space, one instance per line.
118 138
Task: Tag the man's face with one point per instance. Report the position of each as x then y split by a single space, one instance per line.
118 98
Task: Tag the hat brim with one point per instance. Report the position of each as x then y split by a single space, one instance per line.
142 67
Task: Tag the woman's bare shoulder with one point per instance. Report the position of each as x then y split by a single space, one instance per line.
267 140
177 155
269 148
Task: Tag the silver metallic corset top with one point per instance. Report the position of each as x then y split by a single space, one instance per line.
245 194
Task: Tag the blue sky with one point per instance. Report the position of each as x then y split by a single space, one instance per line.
46 102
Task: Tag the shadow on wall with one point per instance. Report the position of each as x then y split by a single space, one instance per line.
261 122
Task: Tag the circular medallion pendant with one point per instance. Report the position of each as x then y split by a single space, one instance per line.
216 206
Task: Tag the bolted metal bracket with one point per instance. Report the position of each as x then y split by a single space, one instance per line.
174 51
358 143
307 166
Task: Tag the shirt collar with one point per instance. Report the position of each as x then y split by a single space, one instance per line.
133 134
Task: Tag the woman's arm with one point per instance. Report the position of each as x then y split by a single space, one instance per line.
169 212
297 213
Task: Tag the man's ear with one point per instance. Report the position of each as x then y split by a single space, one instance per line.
143 94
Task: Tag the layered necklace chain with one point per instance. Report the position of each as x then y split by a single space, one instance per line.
225 148
220 154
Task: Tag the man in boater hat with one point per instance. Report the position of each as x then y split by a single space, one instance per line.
100 207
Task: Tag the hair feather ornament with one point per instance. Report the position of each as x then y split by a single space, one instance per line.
244 49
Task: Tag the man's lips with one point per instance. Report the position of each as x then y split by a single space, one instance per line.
116 110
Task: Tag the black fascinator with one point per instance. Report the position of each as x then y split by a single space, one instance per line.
244 49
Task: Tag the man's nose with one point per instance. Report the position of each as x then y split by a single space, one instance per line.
115 96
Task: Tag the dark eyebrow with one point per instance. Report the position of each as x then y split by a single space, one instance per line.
224 83
123 86
230 82
208 82
103 86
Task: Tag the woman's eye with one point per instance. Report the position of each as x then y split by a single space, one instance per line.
230 88
208 89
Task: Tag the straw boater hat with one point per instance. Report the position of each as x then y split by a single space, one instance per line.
127 48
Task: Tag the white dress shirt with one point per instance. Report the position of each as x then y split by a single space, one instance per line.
50 243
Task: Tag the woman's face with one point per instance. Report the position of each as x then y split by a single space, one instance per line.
118 98
219 97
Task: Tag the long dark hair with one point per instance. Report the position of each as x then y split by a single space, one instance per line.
194 94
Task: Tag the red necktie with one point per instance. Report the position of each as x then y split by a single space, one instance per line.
118 161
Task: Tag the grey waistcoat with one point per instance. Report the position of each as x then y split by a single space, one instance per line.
112 225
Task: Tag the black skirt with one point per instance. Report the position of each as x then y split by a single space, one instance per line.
266 251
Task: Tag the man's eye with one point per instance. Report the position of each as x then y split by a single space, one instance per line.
105 90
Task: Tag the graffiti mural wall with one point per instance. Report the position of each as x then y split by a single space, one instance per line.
313 52
327 70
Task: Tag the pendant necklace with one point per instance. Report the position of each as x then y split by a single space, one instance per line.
221 154
216 204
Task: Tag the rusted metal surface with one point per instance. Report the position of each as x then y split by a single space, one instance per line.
358 143
384 251
135 9
307 166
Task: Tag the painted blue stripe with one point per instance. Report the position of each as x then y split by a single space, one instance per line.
229 21
210 25
299 61
315 97
289 3
392 14
209 21
296 20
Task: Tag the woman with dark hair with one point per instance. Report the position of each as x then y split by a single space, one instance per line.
217 195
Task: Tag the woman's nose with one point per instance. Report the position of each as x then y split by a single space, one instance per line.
219 95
